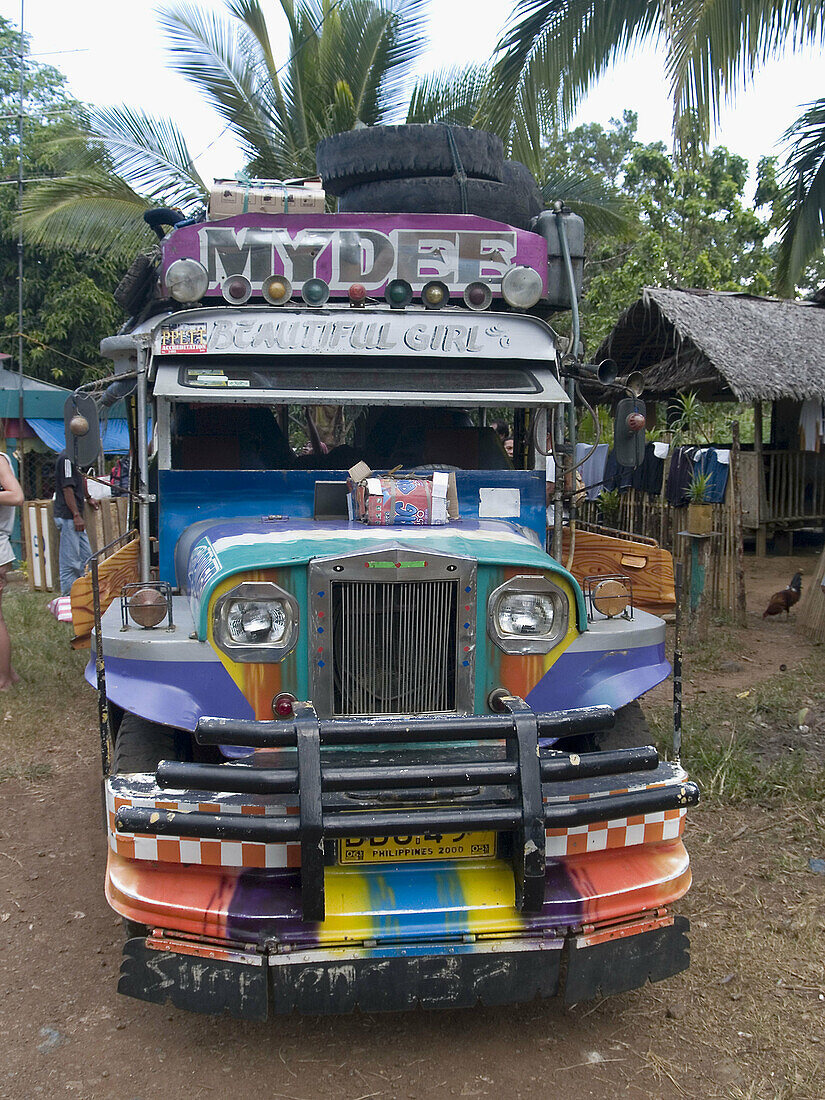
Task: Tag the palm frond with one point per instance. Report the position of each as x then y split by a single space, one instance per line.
803 178
716 46
150 153
604 212
224 59
373 45
89 212
565 45
451 95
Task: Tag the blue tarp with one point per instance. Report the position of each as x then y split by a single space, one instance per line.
115 435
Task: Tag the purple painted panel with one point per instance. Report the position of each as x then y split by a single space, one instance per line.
175 693
613 677
343 249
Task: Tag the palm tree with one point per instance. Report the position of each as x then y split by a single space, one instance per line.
803 199
349 62
712 48
467 97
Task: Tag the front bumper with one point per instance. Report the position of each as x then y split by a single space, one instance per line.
233 865
531 792
430 975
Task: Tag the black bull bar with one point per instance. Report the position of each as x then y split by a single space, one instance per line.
523 771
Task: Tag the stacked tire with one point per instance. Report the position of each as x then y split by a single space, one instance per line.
418 169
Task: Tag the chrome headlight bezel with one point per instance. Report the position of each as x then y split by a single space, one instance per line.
254 652
533 643
186 280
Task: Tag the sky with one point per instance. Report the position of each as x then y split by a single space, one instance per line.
115 53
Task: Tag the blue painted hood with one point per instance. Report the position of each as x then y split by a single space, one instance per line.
209 551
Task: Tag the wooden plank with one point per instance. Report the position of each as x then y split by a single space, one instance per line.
649 568
118 569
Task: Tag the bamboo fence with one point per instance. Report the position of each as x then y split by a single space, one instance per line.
654 517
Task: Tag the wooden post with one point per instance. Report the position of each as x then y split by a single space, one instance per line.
762 529
699 601
740 609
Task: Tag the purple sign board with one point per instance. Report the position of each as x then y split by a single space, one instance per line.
371 249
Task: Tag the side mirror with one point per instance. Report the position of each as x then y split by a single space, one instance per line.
82 429
629 432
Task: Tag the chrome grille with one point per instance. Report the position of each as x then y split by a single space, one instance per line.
394 647
392 632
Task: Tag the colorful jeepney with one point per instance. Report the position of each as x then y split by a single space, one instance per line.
358 766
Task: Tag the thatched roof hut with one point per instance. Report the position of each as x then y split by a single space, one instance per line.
723 346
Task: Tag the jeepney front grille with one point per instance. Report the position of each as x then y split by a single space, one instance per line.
392 631
394 647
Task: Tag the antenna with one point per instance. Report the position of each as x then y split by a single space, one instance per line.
22 100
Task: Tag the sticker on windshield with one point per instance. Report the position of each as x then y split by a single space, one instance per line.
183 339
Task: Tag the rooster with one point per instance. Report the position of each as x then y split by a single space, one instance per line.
784 600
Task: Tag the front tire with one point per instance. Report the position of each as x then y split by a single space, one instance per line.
141 745
630 730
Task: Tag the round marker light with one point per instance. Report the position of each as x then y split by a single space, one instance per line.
398 293
610 597
186 280
78 425
237 289
435 294
477 296
636 422
521 287
277 290
147 607
315 292
283 705
357 294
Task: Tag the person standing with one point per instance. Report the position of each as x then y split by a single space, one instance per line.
11 497
69 500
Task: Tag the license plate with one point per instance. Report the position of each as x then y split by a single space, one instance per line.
407 849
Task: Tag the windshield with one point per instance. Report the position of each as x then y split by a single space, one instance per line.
233 436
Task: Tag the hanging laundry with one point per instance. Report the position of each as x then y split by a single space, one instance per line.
811 425
707 461
616 476
647 477
680 476
592 466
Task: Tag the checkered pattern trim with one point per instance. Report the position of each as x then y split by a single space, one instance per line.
212 853
624 832
599 836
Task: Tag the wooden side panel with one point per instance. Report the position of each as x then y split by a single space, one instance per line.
113 572
649 568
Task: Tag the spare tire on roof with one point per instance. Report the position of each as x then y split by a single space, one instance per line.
373 153
512 203
519 176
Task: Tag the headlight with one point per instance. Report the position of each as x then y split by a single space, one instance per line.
523 614
256 622
187 280
527 615
521 287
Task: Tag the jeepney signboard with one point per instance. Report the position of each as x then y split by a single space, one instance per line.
371 249
345 332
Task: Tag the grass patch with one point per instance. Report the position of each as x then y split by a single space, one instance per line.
31 773
52 709
730 742
719 647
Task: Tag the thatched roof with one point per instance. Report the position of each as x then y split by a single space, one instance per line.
724 346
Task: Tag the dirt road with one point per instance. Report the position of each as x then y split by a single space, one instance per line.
747 1020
